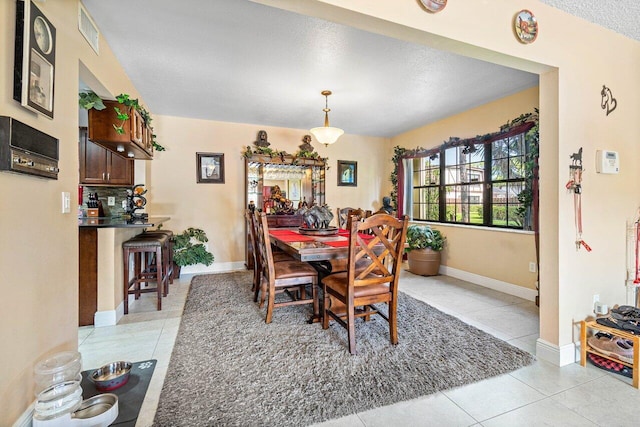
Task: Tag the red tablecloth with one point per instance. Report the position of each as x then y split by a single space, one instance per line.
290 236
345 243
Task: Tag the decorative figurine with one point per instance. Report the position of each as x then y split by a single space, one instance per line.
386 205
262 139
306 144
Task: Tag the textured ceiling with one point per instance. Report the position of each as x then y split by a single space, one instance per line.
620 16
238 61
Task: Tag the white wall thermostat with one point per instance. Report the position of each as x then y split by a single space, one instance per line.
607 161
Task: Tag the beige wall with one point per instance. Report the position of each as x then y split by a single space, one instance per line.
219 208
39 249
491 253
38 254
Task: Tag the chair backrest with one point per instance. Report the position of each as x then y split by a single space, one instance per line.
355 215
264 246
342 216
380 240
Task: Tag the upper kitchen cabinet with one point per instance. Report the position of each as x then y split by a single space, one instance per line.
101 167
134 140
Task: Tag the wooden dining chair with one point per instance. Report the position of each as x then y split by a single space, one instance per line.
290 277
253 244
342 215
379 240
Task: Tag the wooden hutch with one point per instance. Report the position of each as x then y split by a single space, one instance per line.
299 179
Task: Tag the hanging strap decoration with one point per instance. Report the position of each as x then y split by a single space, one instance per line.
636 280
575 185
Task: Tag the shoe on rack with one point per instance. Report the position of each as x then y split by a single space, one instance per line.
626 312
609 365
615 347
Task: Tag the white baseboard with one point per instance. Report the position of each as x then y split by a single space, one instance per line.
559 356
216 267
105 318
26 419
487 282
108 317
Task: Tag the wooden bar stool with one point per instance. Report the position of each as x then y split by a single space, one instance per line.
168 262
150 247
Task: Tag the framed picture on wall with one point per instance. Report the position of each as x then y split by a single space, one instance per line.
35 59
210 168
347 173
294 189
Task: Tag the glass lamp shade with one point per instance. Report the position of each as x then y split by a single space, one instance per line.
326 134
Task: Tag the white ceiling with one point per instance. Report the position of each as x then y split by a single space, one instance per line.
238 61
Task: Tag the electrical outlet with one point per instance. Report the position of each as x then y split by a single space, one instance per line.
532 267
596 299
111 201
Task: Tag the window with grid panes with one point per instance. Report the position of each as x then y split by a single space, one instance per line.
480 183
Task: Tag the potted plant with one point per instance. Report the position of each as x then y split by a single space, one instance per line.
424 245
189 249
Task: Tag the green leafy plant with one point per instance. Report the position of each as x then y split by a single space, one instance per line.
526 196
398 152
188 248
423 237
88 100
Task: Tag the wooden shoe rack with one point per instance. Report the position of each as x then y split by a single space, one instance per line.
585 348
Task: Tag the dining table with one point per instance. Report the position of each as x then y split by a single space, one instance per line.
311 247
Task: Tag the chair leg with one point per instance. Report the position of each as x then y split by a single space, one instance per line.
351 327
263 292
159 279
271 302
256 277
314 295
325 308
125 257
393 321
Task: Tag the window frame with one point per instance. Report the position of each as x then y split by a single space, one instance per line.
487 180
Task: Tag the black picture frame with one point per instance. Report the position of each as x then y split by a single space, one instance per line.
34 59
210 168
347 173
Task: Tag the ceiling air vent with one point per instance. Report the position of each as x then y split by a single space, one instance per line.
88 28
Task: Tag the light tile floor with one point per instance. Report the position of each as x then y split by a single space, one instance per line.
540 394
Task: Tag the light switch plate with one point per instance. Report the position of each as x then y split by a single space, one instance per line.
66 202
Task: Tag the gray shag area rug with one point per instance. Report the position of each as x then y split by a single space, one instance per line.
229 368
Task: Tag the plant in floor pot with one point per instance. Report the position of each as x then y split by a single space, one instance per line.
424 245
189 249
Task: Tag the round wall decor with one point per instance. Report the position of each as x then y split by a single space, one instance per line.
434 6
526 26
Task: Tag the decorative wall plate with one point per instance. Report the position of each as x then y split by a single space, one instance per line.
434 5
526 26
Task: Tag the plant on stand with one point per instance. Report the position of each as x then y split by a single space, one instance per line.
189 249
424 245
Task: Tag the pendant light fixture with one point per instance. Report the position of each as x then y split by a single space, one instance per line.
326 134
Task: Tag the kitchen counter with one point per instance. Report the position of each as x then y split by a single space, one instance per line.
104 222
